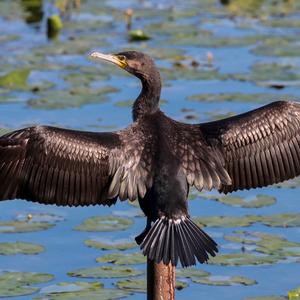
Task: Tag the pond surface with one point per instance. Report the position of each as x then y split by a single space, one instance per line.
216 60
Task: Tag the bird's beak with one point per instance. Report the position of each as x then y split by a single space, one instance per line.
109 57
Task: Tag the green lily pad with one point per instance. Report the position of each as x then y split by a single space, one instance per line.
19 283
105 223
138 35
239 97
15 80
79 291
294 294
281 220
123 258
23 226
13 248
76 97
266 298
40 217
242 259
140 285
110 245
266 243
105 272
191 273
226 221
225 280
256 202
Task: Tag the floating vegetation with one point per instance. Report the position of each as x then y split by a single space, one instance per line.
76 97
80 290
294 294
191 273
275 220
15 79
239 97
110 245
140 285
105 223
138 35
13 248
23 226
266 243
225 280
54 26
253 202
242 259
20 283
123 258
40 217
105 272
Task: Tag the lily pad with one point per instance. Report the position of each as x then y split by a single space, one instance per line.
23 226
123 258
138 35
13 248
110 245
39 217
266 298
267 243
226 221
58 99
105 272
15 80
105 223
140 285
79 291
225 280
19 283
239 97
253 202
242 259
294 294
281 220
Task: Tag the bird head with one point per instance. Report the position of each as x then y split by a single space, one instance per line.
137 63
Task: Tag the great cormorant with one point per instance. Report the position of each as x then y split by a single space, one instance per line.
154 160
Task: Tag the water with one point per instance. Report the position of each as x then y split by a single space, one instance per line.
101 25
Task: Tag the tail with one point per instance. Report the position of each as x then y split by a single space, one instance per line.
170 239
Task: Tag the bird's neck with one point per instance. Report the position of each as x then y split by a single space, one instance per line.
148 100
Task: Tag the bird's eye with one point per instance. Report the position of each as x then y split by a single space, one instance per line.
121 57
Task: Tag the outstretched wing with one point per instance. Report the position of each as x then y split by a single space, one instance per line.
260 147
66 167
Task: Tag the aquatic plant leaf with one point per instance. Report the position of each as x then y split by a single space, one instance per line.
224 280
294 294
12 248
226 221
19 283
281 220
123 258
242 259
240 97
39 217
79 291
23 226
105 223
110 245
105 272
15 79
138 35
253 202
140 285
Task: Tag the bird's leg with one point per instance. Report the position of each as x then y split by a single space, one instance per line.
139 239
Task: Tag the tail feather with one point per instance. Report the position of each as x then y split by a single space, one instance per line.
169 240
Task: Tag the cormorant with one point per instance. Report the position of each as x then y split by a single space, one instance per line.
154 160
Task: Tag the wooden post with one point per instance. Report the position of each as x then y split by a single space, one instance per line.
160 281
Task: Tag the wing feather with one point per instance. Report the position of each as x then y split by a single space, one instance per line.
260 147
66 167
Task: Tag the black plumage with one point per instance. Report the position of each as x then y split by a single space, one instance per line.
154 160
